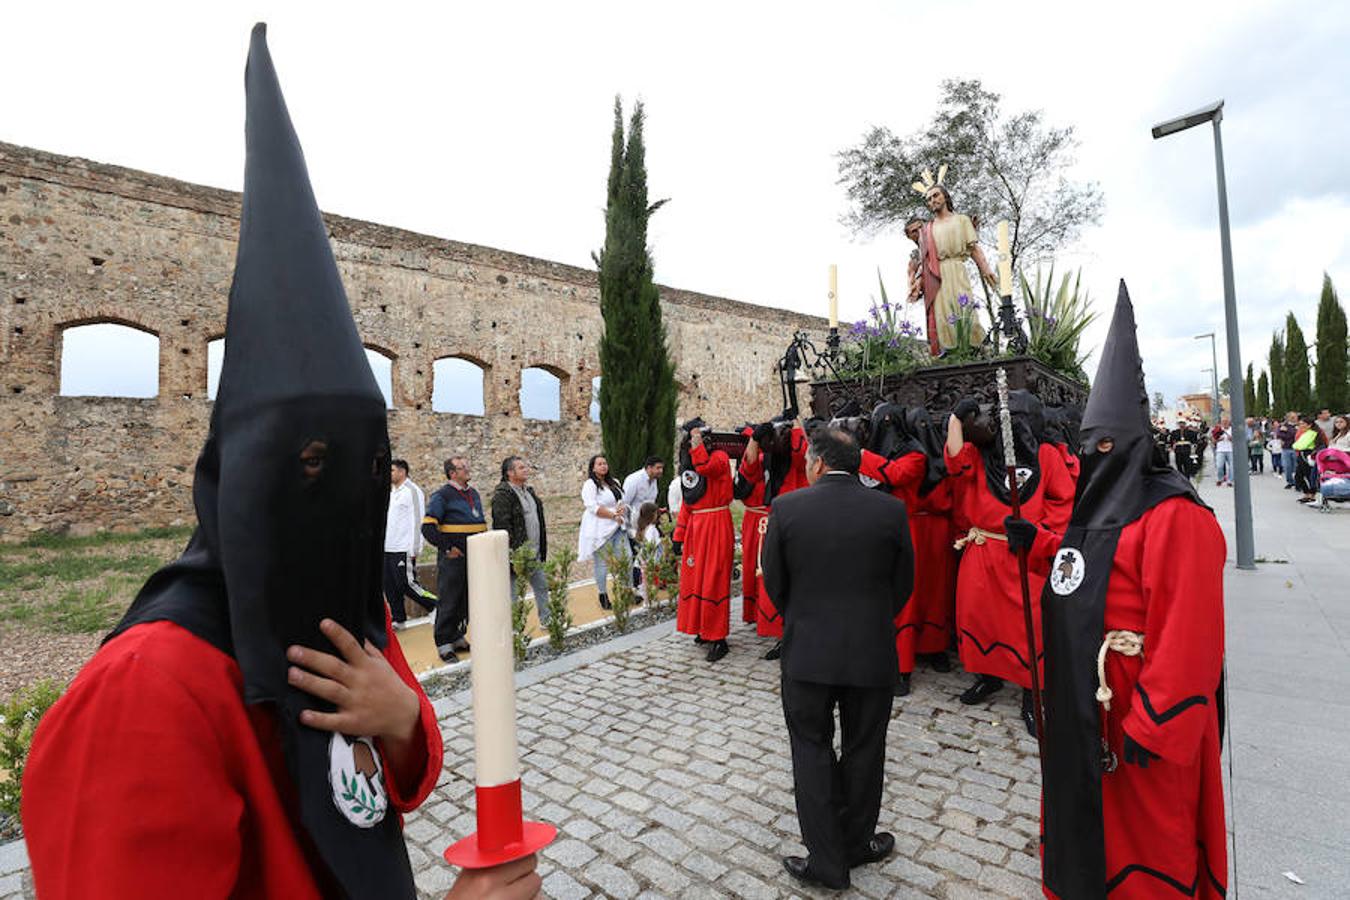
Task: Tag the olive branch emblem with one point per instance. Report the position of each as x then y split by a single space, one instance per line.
359 802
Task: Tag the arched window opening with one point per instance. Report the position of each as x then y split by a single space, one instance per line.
381 366
540 394
595 399
457 386
109 360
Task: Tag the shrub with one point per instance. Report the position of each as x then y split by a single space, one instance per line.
621 590
524 563
558 569
19 718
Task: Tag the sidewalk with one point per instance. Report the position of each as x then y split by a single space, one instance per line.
1288 633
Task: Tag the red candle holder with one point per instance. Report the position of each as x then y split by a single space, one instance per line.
503 835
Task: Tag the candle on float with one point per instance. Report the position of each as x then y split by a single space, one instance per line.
1004 261
493 675
834 296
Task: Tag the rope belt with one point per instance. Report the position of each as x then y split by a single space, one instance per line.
710 509
1126 643
763 529
757 509
978 536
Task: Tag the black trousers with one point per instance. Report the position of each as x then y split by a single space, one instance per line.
452 592
838 798
396 586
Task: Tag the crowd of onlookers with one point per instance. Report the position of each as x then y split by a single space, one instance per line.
1310 452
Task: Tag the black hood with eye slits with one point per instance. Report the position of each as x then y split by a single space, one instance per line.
282 544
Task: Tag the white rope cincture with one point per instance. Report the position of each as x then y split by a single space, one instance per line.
1126 643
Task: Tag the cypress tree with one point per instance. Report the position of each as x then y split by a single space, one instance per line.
1297 381
1279 400
1333 391
637 384
1249 392
1263 395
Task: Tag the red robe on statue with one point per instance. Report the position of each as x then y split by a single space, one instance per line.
709 538
755 514
991 626
1164 825
768 620
925 624
151 778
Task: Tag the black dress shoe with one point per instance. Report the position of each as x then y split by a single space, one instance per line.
902 685
775 651
698 639
877 849
1029 720
718 650
983 688
939 662
604 602
799 868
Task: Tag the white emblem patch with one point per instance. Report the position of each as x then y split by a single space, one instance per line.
867 481
1066 573
1023 476
689 478
357 777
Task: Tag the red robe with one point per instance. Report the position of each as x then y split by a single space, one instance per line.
755 513
768 620
1165 824
709 538
991 627
151 778
925 624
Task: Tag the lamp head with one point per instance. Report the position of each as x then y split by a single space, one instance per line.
1212 112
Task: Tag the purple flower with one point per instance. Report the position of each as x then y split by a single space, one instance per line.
893 342
886 305
951 320
963 300
1050 320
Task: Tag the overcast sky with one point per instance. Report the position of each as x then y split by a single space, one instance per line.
490 123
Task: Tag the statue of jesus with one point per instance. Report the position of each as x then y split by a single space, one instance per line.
945 244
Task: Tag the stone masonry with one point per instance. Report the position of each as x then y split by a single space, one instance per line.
83 243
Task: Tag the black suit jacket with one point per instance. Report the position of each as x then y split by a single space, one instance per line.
839 565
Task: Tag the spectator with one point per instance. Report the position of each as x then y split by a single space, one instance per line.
648 533
1286 433
517 510
1308 440
454 513
419 544
1256 447
402 534
1340 433
1223 452
602 524
1324 422
641 487
674 497
1275 447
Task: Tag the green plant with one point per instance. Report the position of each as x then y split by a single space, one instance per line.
884 343
1056 319
19 717
524 563
621 590
668 568
558 570
648 560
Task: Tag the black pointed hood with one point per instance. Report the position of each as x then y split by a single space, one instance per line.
291 489
1115 488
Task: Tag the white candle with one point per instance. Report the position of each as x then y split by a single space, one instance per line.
493 675
1004 261
834 296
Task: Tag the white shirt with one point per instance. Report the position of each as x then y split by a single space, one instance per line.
674 496
594 530
418 541
1225 442
638 489
402 524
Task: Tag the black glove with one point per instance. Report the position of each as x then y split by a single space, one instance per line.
763 434
678 547
1021 534
1137 754
965 408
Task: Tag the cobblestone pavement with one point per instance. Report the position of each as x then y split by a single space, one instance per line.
670 777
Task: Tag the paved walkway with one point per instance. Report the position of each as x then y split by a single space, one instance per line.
669 777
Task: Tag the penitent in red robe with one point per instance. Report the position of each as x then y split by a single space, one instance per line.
768 620
925 624
151 778
1164 825
709 538
991 627
755 514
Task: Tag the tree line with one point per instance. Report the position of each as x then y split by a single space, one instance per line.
1292 380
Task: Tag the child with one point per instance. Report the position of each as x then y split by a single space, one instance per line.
648 533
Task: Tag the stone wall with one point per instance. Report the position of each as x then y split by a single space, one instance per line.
82 242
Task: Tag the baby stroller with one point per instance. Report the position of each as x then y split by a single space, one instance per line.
1333 478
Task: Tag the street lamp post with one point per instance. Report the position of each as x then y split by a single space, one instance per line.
1214 375
1242 482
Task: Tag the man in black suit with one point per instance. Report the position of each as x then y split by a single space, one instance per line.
839 566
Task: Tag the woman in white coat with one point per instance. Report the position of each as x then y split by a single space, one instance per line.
602 528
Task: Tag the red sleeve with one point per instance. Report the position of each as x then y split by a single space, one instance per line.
902 472
115 768
752 471
681 523
1182 576
1057 489
962 465
408 789
799 445
703 460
